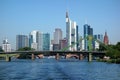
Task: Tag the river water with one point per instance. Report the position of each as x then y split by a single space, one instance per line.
51 69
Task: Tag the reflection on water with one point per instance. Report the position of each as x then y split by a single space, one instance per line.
50 69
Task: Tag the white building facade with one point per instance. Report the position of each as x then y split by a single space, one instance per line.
35 40
71 33
6 46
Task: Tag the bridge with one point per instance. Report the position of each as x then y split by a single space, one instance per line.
77 54
64 52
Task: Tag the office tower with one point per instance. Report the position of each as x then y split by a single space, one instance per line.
51 45
6 47
81 43
36 40
56 47
21 41
46 41
106 40
99 37
63 44
71 33
97 40
57 35
88 32
77 38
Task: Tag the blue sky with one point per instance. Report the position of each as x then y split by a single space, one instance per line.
24 16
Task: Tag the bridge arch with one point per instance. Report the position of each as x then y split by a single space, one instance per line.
71 56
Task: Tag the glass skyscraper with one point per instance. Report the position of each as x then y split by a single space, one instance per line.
88 31
71 33
46 41
35 40
21 41
98 37
77 37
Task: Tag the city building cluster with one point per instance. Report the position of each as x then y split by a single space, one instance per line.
72 41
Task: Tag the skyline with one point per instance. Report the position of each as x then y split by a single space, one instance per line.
24 16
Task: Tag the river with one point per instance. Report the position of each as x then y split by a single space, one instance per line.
51 69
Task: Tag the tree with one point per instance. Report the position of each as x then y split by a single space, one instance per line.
118 46
26 49
24 55
1 50
113 51
102 48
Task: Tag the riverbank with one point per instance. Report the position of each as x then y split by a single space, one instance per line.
117 61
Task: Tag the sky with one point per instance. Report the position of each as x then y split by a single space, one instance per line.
24 16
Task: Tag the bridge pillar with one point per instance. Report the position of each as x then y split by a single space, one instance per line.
57 57
81 57
32 56
8 59
89 57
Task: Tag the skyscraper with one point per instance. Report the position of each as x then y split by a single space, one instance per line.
36 40
71 33
46 41
6 46
63 44
87 32
98 37
106 40
57 35
21 41
77 38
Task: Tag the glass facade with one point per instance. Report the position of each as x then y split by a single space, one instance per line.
21 41
87 32
71 33
98 37
35 40
46 41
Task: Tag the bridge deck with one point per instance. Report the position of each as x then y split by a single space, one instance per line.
47 53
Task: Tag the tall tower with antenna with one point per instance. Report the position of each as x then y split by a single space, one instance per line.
71 33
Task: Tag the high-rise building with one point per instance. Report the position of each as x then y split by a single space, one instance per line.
36 40
21 41
63 44
106 40
77 38
56 47
71 33
57 35
46 41
6 47
97 38
81 43
87 32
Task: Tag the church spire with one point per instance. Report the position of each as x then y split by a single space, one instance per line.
106 40
105 33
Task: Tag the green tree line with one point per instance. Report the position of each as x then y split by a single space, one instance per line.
113 51
26 49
